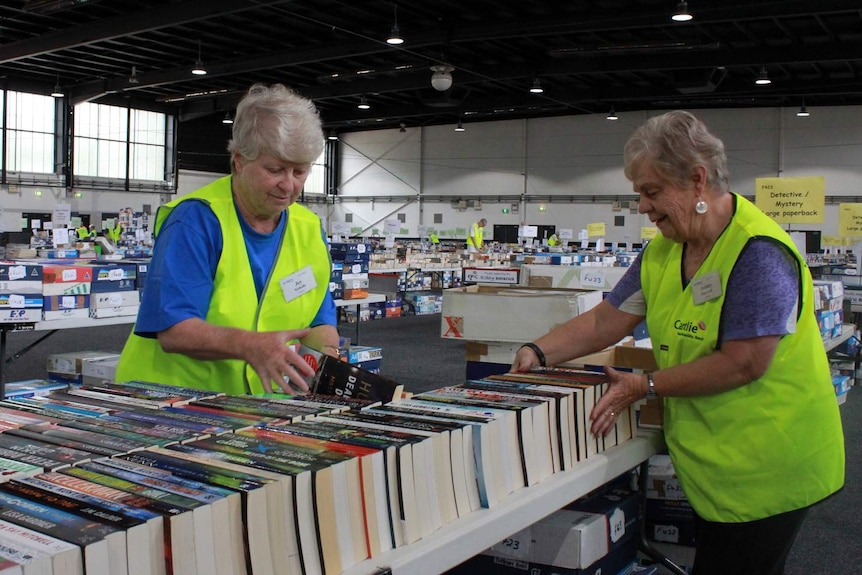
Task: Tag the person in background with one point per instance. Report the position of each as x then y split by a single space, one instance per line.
475 242
750 416
554 240
239 270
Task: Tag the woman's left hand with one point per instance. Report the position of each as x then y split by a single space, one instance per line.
625 388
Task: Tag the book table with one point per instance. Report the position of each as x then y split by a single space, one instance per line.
467 536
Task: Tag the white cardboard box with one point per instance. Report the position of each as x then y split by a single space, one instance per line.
115 299
98 370
516 314
76 362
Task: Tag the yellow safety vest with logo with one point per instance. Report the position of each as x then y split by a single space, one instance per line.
234 303
773 445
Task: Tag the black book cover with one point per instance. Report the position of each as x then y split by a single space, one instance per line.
342 379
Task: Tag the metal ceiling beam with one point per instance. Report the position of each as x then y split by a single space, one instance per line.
112 28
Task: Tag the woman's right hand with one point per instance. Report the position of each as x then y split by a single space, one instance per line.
525 360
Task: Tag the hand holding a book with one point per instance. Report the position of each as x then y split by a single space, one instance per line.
624 389
277 363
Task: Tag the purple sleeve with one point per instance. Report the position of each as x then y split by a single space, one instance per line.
762 293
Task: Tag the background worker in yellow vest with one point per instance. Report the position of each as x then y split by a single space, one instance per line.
553 240
475 241
750 416
239 270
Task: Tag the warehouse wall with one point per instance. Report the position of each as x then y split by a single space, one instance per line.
578 155
524 165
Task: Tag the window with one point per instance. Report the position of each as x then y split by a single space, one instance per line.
315 184
30 132
120 143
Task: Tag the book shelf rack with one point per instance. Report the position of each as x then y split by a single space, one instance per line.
467 536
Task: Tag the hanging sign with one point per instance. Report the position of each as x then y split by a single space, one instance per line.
596 230
792 200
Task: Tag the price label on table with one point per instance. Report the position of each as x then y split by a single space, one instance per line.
667 533
16 301
592 278
69 275
115 275
617 525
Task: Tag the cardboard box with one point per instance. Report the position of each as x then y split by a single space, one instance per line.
98 370
20 315
16 271
515 314
118 311
60 302
571 277
358 353
670 521
59 273
115 299
610 564
20 301
66 314
624 356
662 482
73 362
109 286
66 288
21 286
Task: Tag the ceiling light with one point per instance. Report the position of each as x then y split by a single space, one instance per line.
536 88
227 119
682 14
363 104
402 128
332 135
763 78
199 69
441 79
460 127
803 111
612 115
133 79
57 92
395 35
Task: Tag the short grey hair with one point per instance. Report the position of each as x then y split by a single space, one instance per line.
672 145
277 121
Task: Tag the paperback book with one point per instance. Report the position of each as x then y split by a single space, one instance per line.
342 379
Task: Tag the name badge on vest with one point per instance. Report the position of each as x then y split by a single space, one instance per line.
298 283
706 288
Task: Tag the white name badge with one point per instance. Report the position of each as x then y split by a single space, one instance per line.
298 283
706 288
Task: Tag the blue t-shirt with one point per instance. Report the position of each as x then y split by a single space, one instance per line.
180 278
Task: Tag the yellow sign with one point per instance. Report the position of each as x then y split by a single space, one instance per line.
596 230
792 200
836 241
850 220
648 233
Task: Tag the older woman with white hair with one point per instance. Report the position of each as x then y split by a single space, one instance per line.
240 271
750 416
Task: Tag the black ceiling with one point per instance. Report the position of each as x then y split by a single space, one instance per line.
589 55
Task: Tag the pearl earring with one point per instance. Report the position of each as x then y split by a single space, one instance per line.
701 207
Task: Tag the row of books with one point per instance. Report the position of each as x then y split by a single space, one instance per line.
145 479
